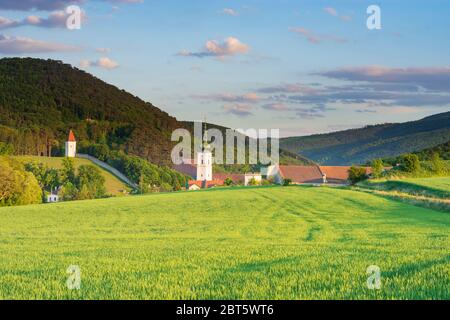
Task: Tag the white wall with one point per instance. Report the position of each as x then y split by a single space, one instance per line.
71 149
204 166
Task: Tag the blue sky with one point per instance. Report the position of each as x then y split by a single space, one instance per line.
301 66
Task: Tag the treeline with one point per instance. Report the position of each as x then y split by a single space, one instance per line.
409 165
149 177
441 151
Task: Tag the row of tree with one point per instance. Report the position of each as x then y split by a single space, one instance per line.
149 177
406 164
85 183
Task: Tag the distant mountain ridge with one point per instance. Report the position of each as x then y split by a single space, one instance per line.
357 146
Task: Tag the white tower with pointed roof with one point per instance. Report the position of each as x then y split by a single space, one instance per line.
71 146
205 161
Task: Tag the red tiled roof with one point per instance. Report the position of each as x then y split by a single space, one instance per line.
301 174
71 137
336 173
205 184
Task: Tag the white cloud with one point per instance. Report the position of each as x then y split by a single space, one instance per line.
103 50
316 38
40 5
230 12
56 19
103 62
245 98
331 11
7 23
231 46
50 5
19 45
241 110
276 107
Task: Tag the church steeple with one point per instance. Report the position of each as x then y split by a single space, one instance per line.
71 137
204 159
206 146
71 146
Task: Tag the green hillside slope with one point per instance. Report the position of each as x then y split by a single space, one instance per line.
358 146
253 243
112 184
443 150
40 100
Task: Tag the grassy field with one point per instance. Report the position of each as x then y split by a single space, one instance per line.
113 185
430 187
250 243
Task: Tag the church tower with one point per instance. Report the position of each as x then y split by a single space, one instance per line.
71 146
204 161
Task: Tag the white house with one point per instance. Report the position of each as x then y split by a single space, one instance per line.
71 146
52 198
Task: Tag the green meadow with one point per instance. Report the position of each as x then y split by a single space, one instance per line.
244 243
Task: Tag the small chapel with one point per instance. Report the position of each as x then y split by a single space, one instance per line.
71 146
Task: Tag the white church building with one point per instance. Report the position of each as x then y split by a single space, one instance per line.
204 164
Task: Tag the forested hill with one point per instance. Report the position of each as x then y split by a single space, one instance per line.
358 146
40 100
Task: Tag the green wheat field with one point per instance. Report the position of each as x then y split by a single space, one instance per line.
242 243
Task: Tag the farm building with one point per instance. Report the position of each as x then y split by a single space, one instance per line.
334 175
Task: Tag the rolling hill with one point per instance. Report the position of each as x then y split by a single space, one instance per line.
358 146
40 100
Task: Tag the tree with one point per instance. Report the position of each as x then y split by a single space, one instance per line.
91 182
68 171
6 149
253 182
48 178
377 168
228 182
437 165
68 192
287 182
356 174
144 187
410 163
17 187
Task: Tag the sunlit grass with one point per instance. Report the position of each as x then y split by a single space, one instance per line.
256 243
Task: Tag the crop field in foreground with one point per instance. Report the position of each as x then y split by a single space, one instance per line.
249 243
